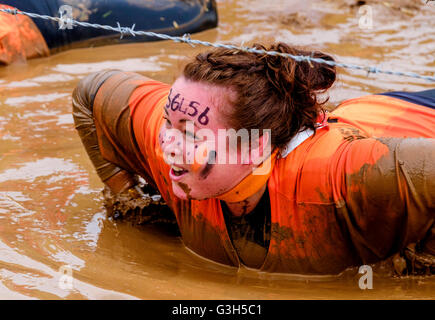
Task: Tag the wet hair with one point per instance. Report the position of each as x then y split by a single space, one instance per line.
272 92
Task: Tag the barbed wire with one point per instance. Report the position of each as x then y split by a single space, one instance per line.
187 39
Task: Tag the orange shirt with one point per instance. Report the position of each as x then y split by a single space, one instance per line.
350 194
379 115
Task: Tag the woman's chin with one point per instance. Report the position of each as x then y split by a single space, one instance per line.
181 192
184 192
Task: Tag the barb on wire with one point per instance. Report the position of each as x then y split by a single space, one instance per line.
187 39
126 30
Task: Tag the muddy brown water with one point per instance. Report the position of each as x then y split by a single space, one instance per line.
51 209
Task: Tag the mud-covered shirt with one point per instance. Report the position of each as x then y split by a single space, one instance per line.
357 191
250 233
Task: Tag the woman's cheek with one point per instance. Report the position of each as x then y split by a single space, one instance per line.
196 160
204 158
167 138
209 166
162 137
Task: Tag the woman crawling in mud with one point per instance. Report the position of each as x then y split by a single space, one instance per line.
257 173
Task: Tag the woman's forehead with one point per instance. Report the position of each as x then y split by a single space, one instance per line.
214 96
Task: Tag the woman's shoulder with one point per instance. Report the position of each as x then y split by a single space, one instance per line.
323 145
309 172
390 114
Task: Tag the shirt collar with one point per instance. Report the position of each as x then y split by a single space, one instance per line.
300 137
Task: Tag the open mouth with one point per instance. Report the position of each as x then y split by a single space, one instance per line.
177 171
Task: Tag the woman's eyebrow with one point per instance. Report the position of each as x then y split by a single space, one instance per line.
182 120
186 120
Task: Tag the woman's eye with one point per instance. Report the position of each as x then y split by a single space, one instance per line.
190 135
168 122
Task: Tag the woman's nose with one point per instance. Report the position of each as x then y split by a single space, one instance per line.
173 148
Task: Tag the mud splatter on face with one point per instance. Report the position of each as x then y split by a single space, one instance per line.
209 166
185 188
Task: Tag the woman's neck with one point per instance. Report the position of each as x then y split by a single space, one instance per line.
243 207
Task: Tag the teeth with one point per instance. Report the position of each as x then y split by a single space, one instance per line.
177 169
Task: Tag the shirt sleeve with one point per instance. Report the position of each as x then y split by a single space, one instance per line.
112 174
109 108
388 187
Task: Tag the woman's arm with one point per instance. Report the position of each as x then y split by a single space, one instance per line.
115 178
389 193
112 150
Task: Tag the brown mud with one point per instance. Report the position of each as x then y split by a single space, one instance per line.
52 212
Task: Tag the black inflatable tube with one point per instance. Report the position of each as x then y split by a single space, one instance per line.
173 17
